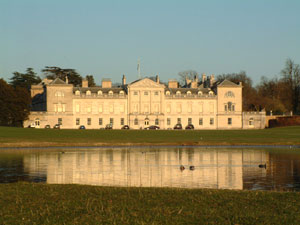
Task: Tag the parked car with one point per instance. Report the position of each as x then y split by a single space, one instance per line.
82 127
189 127
109 127
152 128
56 126
47 126
178 126
125 127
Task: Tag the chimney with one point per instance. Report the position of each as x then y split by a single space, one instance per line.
157 79
173 84
203 78
123 80
84 83
106 83
194 83
212 79
67 80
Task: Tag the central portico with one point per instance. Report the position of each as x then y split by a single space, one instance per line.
146 103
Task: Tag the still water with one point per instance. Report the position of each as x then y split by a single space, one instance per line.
156 167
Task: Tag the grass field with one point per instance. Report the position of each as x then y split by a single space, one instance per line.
18 137
24 203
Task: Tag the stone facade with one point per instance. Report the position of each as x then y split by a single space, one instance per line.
142 103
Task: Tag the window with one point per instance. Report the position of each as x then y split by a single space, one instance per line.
189 121
77 121
121 93
179 120
77 108
59 94
111 121
122 108
146 122
77 92
251 121
136 121
100 108
145 92
189 108
100 121
200 93
111 108
59 121
229 94
210 93
88 93
110 93
146 108
200 121
135 93
229 107
168 108
156 122
122 121
156 93
229 121
99 93
225 108
89 121
168 93
178 93
179 108
136 108
201 108
211 107
156 108
168 121
211 121
89 108
189 93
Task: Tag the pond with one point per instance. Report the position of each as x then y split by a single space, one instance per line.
180 167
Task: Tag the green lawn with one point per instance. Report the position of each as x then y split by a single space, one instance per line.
24 203
10 136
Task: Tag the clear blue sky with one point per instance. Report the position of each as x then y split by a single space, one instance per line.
106 38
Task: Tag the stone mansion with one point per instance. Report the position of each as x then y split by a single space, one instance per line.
202 102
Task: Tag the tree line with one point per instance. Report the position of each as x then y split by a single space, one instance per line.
279 95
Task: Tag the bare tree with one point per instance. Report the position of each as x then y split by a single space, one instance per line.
189 74
291 77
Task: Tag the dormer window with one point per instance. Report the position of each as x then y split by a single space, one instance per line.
178 93
77 92
110 93
99 93
88 92
200 93
189 93
121 93
210 93
168 93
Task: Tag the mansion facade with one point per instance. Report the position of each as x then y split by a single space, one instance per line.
203 103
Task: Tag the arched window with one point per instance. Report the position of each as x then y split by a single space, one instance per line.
99 93
77 92
156 122
178 93
88 92
110 93
210 93
200 93
189 93
168 93
121 93
251 121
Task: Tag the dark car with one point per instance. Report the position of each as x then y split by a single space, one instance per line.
47 126
178 126
82 127
109 127
125 127
189 127
56 126
152 128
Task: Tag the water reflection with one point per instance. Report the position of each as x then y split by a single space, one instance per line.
212 168
225 169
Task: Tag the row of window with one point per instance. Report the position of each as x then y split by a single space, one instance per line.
146 121
100 93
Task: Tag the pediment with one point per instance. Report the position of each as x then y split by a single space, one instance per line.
146 83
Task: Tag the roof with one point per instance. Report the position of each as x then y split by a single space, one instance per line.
57 81
227 83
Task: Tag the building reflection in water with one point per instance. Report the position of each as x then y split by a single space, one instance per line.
222 169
